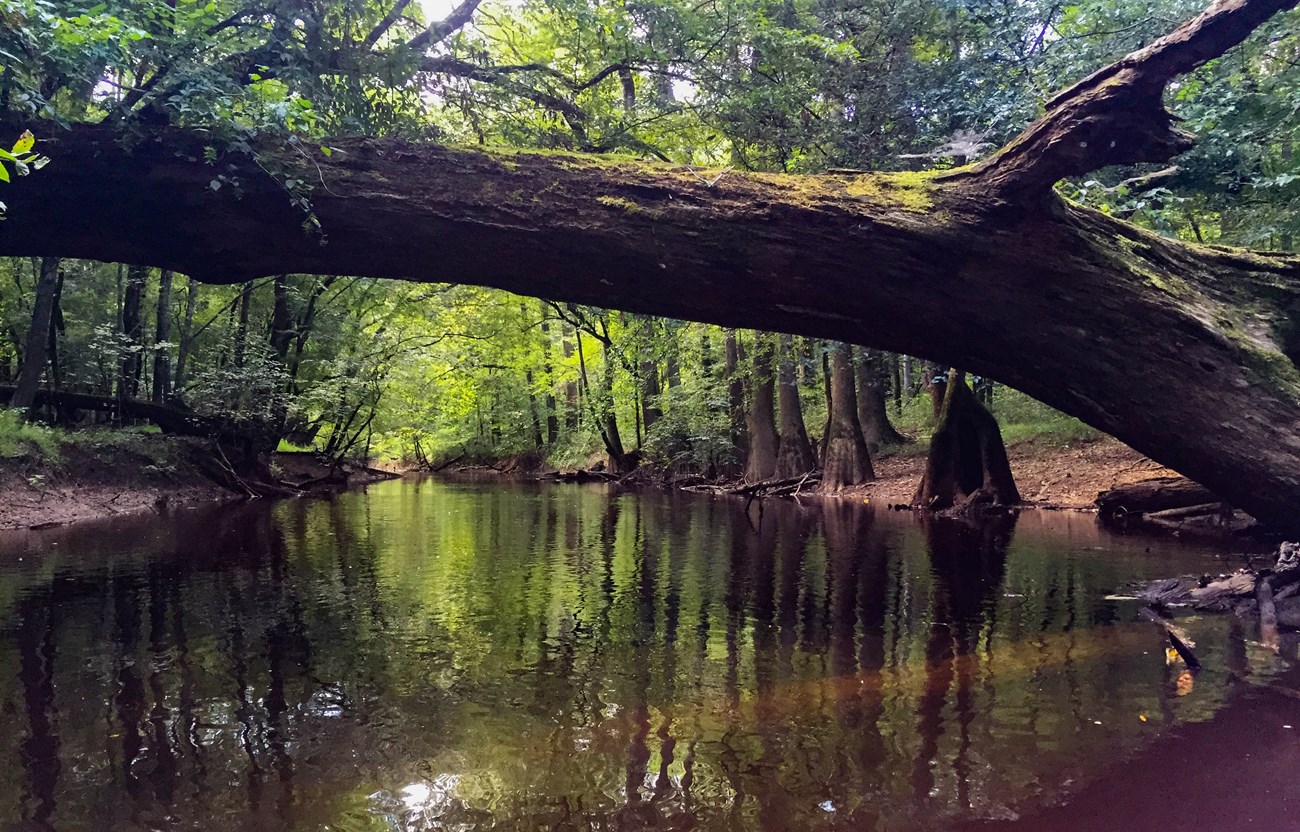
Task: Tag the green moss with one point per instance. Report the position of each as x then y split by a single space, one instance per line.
1265 366
909 190
621 203
1136 260
19 438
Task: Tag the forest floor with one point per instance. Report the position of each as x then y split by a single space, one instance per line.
1047 471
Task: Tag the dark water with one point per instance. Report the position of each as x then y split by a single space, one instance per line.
433 656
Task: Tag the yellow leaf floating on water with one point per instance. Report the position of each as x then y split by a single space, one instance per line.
1142 717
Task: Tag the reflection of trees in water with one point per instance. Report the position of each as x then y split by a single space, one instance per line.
968 564
551 657
184 718
39 750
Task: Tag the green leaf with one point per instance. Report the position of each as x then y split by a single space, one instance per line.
4 173
25 143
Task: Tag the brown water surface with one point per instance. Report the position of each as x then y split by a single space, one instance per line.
432 656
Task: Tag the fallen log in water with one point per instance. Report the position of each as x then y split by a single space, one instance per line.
1273 595
1174 503
785 487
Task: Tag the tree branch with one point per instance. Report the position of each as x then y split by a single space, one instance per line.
445 28
1116 115
394 14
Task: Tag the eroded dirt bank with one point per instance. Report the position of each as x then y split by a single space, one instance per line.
114 473
92 479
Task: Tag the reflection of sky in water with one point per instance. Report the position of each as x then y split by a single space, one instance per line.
456 657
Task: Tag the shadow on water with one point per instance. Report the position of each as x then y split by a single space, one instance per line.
432 656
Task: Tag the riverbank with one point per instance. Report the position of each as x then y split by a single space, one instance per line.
1066 475
103 474
51 479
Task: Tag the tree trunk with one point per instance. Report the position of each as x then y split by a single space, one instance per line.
826 393
735 396
851 257
572 404
936 381
618 459
58 328
241 329
539 441
870 374
281 335
761 421
548 371
847 461
795 454
650 411
186 339
38 336
967 466
162 334
132 362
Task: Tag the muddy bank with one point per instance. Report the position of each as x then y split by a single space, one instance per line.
109 474
103 477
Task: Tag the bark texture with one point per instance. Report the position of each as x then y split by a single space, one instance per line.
870 377
847 460
761 420
794 454
947 267
967 466
35 353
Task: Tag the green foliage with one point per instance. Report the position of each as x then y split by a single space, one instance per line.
21 158
19 438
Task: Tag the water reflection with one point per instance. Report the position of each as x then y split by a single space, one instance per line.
430 656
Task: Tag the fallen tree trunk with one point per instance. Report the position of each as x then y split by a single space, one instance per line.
948 267
168 419
1153 495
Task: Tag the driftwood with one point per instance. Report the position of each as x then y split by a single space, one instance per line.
1179 640
444 465
580 476
783 487
1272 595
